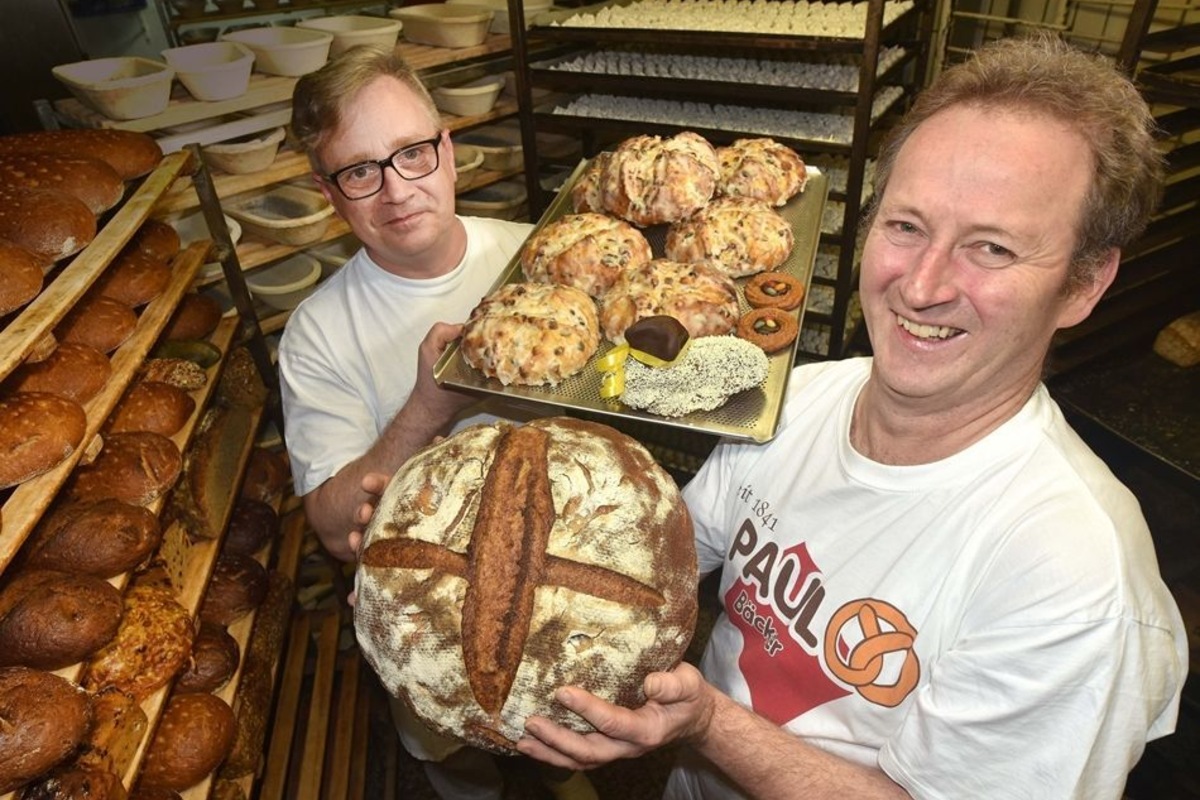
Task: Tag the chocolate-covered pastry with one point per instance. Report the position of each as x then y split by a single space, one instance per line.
660 336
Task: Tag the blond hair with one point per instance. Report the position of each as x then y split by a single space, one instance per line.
1044 75
321 98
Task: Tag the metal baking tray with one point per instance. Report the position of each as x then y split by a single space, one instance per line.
752 415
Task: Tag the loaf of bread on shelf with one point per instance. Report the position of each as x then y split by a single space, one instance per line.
22 275
104 538
1179 342
252 524
75 371
152 644
137 468
216 450
213 661
266 475
38 431
237 586
89 180
99 321
51 619
256 688
179 372
76 782
49 223
45 718
151 406
504 562
118 726
196 316
156 239
133 278
130 153
193 737
241 384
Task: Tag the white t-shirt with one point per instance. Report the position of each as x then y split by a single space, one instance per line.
989 625
348 356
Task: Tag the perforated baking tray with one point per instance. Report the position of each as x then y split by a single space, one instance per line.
751 415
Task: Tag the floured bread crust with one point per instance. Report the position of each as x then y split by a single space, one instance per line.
587 251
650 180
699 295
531 334
761 169
504 562
586 194
740 236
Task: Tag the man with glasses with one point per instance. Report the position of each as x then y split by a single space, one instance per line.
356 358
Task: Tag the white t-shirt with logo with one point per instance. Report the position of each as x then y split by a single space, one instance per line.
989 625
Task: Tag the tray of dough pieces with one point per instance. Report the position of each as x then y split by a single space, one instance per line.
751 415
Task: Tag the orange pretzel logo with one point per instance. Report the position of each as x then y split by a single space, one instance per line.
864 662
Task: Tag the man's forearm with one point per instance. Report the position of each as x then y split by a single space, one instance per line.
767 761
330 508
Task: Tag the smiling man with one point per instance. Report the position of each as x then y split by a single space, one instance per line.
931 587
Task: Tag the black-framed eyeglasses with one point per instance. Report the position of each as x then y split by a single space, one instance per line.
411 162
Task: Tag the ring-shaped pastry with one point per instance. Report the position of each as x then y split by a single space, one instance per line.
772 329
774 289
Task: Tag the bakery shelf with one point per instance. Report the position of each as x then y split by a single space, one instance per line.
28 330
286 559
28 501
182 109
423 57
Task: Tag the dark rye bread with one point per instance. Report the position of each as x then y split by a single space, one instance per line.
98 321
49 223
38 431
51 619
191 740
196 316
137 467
22 274
157 239
76 782
44 719
103 538
130 153
237 587
504 562
74 371
134 278
152 406
214 659
89 180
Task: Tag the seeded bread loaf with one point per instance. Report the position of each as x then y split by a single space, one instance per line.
504 562
38 431
44 719
152 644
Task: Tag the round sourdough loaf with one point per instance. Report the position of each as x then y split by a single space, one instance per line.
214 659
192 739
237 587
51 619
196 316
22 274
98 321
50 223
137 467
102 538
74 371
504 562
134 278
131 153
153 406
45 717
156 239
38 431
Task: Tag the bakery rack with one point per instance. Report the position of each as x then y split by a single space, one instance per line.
868 110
